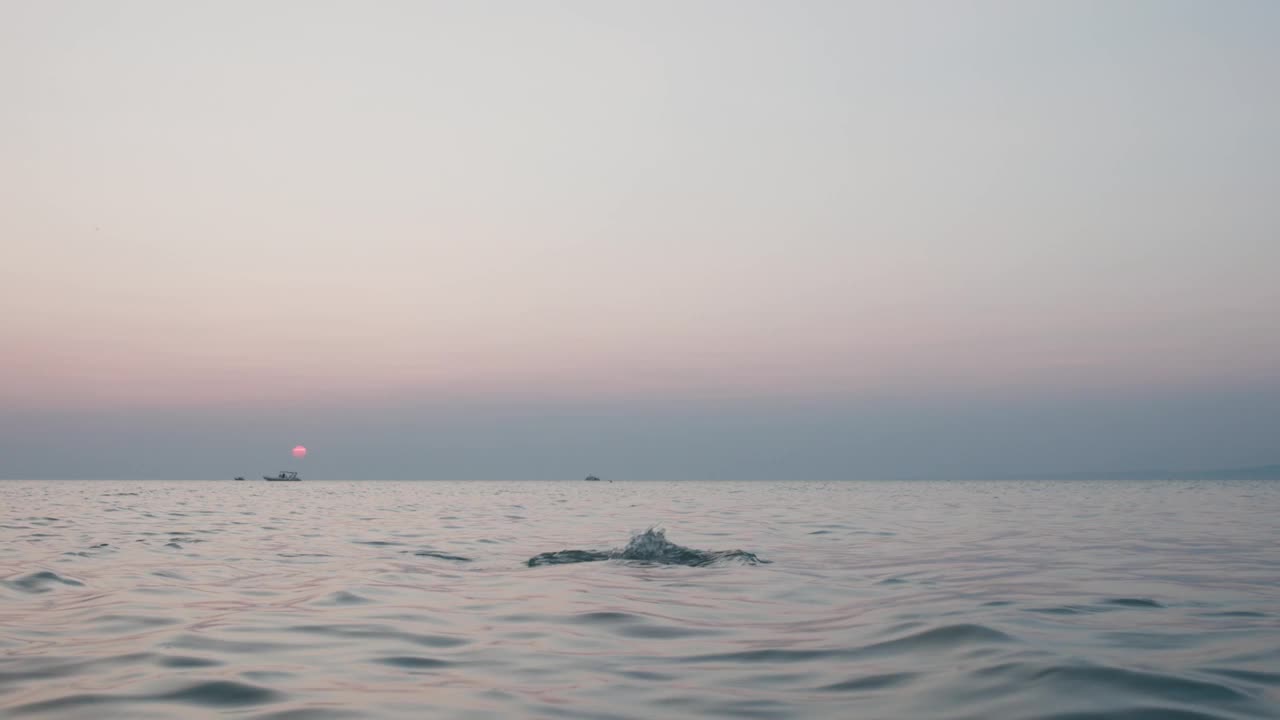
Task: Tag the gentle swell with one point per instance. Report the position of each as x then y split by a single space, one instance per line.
950 637
379 601
212 694
40 582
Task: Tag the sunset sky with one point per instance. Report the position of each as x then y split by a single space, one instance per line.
650 239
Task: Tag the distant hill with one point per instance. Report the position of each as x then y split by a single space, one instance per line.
1259 472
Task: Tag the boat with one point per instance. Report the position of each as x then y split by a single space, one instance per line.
284 476
239 479
592 478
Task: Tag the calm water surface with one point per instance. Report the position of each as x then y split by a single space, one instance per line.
1069 600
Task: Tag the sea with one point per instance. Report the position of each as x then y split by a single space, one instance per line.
1044 600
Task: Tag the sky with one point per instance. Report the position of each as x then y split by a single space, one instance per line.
658 240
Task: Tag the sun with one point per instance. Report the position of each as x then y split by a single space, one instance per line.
299 451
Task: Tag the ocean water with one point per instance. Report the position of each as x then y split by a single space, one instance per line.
1062 600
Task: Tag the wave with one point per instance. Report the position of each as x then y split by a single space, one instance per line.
650 547
440 555
40 582
209 694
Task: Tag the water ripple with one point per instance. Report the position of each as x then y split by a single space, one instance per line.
382 601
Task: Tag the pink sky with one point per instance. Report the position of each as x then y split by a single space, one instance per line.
219 206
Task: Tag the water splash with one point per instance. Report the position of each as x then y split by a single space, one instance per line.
650 546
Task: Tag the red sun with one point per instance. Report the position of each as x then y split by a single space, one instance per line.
299 452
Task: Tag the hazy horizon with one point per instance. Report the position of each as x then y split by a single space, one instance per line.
648 241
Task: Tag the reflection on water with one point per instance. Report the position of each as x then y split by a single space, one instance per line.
770 600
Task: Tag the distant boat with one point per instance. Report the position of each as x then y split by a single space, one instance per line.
592 478
284 476
239 479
